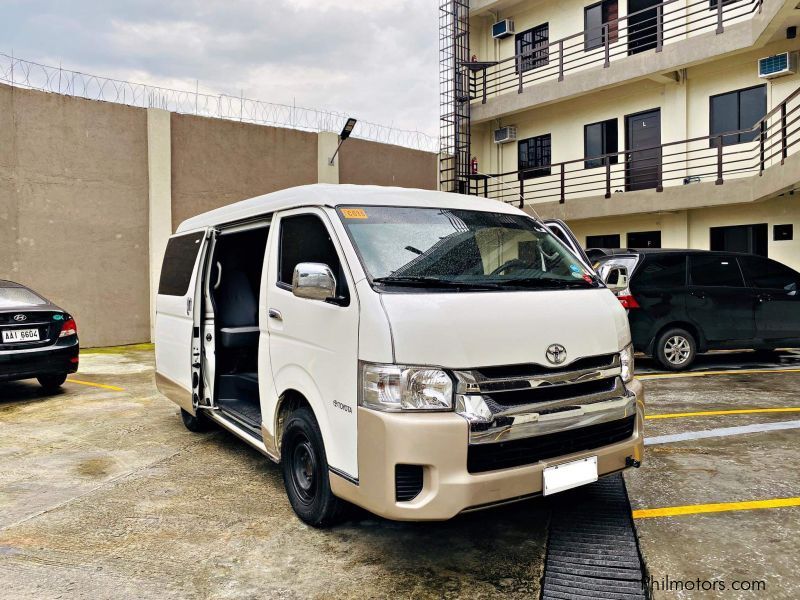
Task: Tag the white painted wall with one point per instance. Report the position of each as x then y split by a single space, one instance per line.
159 171
691 229
684 107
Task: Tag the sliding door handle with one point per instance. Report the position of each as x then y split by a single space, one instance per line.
274 313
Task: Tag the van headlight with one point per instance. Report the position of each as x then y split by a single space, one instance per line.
626 362
402 387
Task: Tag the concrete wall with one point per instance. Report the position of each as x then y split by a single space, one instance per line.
73 209
364 162
217 162
86 189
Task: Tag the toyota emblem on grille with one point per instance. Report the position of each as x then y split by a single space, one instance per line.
556 354
20 318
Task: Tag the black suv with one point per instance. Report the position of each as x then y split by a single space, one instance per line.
681 302
37 338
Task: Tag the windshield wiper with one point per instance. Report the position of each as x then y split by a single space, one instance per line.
433 282
548 282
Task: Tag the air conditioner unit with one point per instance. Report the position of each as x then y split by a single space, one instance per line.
505 135
503 29
778 65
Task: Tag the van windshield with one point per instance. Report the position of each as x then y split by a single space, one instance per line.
460 249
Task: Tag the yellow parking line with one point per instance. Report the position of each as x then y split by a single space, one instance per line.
97 385
706 373
692 509
712 413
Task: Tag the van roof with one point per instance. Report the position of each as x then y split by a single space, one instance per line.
325 194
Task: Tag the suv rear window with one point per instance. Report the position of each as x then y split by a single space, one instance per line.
179 259
663 271
767 274
715 271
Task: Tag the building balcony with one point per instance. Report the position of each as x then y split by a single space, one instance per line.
652 43
726 168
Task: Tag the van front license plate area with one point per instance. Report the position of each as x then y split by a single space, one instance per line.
569 475
20 335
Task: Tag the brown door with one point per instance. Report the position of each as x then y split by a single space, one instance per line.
643 156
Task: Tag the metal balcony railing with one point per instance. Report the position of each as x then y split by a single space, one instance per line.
718 158
651 28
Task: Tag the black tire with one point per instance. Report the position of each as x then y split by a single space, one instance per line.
195 424
305 472
52 383
676 349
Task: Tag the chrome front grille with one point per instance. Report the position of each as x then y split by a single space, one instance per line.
517 401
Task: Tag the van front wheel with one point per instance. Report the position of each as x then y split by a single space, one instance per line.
305 471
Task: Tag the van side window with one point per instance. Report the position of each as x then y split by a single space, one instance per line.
179 259
305 238
715 271
767 274
663 271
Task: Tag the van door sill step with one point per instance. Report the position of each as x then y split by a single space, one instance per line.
244 411
592 548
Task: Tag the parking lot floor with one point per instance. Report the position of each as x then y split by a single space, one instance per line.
104 494
738 464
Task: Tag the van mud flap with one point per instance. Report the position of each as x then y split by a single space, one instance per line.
592 549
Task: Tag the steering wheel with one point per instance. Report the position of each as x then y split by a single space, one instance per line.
514 262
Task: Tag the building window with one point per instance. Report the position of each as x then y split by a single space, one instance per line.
751 239
610 240
534 157
712 4
644 239
532 48
737 110
598 139
594 17
782 233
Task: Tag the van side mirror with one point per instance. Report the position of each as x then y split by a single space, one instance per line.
314 281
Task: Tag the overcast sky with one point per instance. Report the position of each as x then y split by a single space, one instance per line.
374 59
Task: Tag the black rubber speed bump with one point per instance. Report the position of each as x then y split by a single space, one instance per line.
592 550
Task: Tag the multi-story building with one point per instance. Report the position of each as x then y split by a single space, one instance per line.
640 123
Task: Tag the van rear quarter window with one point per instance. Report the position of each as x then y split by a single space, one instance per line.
179 259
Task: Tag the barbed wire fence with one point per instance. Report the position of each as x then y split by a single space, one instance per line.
31 75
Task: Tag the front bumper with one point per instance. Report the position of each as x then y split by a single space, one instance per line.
438 442
50 360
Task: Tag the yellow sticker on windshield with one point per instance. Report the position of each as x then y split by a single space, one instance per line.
354 213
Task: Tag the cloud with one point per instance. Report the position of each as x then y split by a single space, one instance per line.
375 59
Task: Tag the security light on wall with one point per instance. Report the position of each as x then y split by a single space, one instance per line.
346 131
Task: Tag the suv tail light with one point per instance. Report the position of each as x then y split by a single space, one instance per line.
68 328
627 300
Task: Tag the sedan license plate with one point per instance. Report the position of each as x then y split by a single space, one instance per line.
12 336
569 475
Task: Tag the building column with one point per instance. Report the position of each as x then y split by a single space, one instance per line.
327 141
159 170
675 230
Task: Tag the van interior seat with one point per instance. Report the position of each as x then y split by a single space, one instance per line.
238 317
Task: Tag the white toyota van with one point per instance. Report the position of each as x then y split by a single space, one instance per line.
417 353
